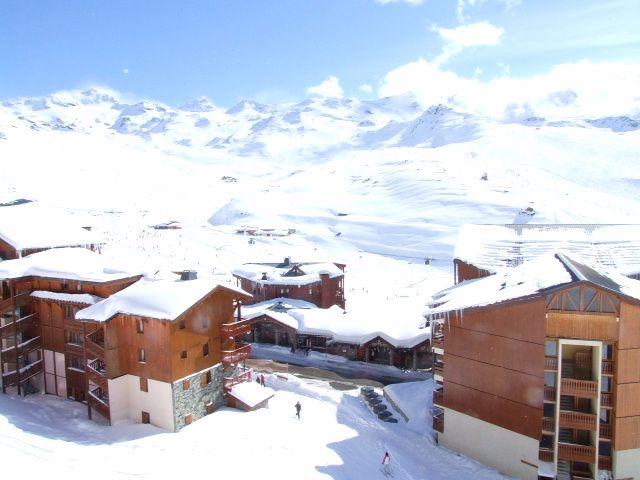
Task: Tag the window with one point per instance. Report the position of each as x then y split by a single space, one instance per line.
69 311
144 385
188 419
139 326
142 355
146 418
205 350
75 338
183 354
209 407
186 384
79 287
205 378
181 324
75 362
551 348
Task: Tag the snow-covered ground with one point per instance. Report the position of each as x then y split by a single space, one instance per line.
337 437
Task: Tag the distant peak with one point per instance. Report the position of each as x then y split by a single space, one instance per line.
247 104
202 104
438 109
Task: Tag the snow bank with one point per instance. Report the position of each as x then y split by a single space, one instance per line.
414 400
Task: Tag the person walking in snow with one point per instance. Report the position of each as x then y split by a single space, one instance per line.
298 408
262 380
386 464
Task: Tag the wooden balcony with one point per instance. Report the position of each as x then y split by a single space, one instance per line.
549 394
235 329
579 388
20 325
606 431
606 400
578 420
551 363
438 423
548 424
98 399
241 375
94 344
438 341
576 453
10 354
438 369
5 304
26 372
604 463
237 355
97 372
545 455
438 397
607 367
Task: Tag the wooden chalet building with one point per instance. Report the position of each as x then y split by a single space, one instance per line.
537 370
319 283
163 351
304 326
28 228
482 250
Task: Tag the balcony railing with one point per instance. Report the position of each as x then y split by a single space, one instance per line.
438 423
438 341
26 372
97 371
237 355
438 369
548 424
235 329
550 393
95 344
604 463
605 431
606 399
578 420
10 354
545 455
20 324
576 453
551 363
607 367
241 375
438 397
579 388
98 399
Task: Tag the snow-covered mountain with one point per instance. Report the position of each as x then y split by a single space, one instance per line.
352 177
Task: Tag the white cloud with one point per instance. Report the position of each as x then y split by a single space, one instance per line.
581 89
328 88
462 5
411 2
465 36
366 88
125 71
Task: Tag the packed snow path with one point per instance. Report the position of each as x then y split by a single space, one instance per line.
336 437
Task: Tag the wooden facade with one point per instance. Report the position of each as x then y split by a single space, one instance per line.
501 364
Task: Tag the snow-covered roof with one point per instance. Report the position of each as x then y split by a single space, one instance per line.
493 247
31 225
82 298
338 325
287 273
161 299
532 277
66 263
251 394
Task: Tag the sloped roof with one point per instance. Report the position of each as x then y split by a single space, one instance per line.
161 299
287 274
494 247
32 225
534 276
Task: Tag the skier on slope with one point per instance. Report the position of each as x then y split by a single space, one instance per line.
298 408
386 464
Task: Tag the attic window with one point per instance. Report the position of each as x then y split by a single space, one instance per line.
205 350
181 324
139 326
142 355
183 354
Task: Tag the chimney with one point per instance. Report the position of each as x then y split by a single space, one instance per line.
188 275
264 275
287 261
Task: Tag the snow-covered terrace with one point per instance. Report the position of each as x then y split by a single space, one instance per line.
73 263
278 274
33 226
340 326
76 298
161 299
494 247
532 277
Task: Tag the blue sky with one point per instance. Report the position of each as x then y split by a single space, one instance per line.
227 50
